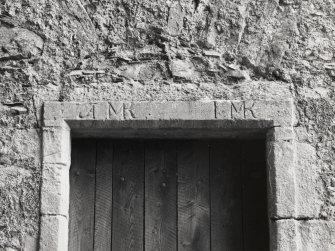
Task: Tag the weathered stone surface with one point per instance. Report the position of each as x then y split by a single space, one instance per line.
183 70
18 43
172 110
54 233
280 134
281 179
284 235
55 190
280 112
308 182
317 235
56 146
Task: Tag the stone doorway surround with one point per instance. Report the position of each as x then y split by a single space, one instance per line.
271 119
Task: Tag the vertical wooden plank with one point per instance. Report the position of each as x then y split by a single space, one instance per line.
82 185
226 197
103 196
255 217
160 196
128 196
193 197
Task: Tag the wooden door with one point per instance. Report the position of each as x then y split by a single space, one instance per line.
166 195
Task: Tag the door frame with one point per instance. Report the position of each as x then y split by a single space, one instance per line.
271 119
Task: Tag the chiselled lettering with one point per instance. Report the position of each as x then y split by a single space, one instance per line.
242 110
85 111
236 110
248 109
115 110
127 111
119 111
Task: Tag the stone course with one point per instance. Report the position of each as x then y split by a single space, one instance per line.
280 112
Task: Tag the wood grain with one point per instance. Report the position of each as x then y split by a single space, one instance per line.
128 196
160 196
193 197
82 186
104 196
226 197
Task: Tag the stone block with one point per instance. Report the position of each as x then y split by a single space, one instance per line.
183 69
308 182
54 233
281 179
317 235
280 134
55 190
284 235
280 112
56 146
52 113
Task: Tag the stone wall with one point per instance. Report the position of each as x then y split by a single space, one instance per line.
139 50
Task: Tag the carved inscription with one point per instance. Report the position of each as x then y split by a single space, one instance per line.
120 111
242 110
235 110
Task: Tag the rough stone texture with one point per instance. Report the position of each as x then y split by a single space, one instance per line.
282 179
279 113
56 146
128 50
321 232
308 184
55 190
54 233
284 234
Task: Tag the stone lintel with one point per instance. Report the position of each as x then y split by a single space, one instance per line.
280 112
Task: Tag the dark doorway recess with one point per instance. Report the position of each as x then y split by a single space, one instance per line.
166 195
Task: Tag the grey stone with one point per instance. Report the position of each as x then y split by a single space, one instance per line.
54 233
55 190
308 182
280 112
56 146
284 235
173 110
281 179
280 134
317 235
183 69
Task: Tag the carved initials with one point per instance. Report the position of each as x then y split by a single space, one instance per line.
241 109
120 111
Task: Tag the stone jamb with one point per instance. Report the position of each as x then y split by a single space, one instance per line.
61 119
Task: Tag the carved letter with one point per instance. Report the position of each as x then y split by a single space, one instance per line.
127 112
115 110
249 109
86 111
240 110
120 111
237 110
